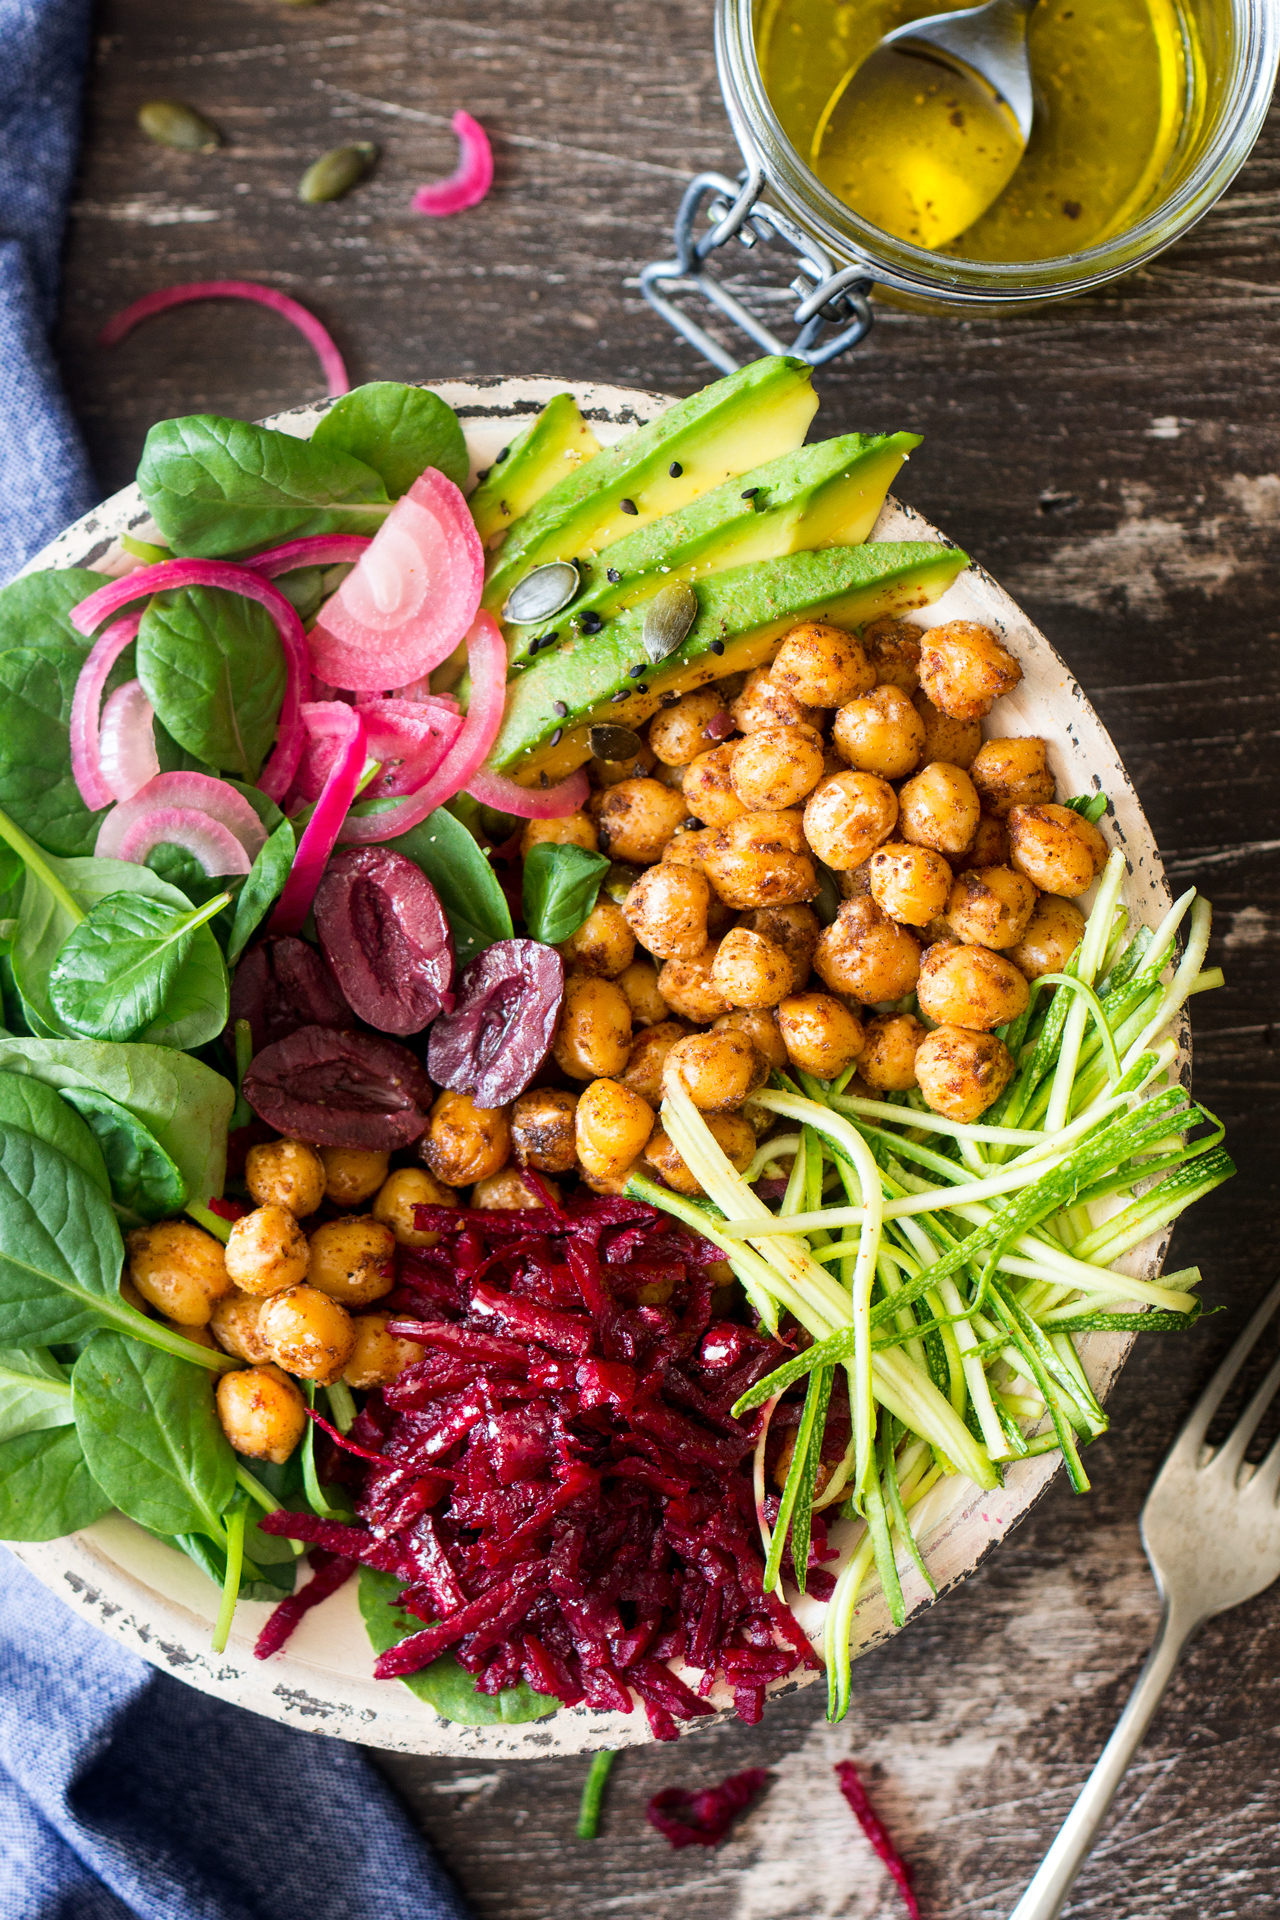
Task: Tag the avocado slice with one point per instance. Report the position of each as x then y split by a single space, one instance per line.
742 617
820 496
550 447
764 408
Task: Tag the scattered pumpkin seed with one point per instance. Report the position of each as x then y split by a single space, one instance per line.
542 593
613 743
337 171
667 620
619 881
171 123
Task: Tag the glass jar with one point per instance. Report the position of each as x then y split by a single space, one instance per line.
1239 47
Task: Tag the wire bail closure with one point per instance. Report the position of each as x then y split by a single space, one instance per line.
827 298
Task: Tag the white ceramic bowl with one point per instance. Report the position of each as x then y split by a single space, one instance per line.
155 1601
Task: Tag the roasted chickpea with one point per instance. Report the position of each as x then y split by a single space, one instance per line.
717 1070
262 1413
285 1173
179 1268
961 1073
708 786
765 702
689 990
689 848
939 809
761 860
234 1325
643 1073
751 971
760 1026
893 649
352 1174
1049 938
307 1333
888 1061
848 816
611 1128
397 1199
795 929
821 1036
603 944
964 670
990 906
666 911
954 741
352 1260
865 954
198 1336
775 767
670 776
463 1142
639 982
1012 772
266 1251
593 1037
1058 850
637 818
880 732
735 1137
678 733
821 665
570 830
855 880
377 1357
988 848
970 987
910 883
607 773
132 1298
509 1192
542 1129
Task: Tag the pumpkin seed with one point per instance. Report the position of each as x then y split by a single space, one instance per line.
667 620
336 172
542 593
619 881
613 743
171 123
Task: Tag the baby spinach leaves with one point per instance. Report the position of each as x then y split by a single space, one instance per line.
212 666
446 1686
398 431
151 1436
262 889
560 888
36 783
466 884
61 1255
35 1393
35 1108
116 971
46 1488
35 611
145 1181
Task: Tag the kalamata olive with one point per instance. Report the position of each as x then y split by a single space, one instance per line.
337 1089
385 935
502 1024
283 984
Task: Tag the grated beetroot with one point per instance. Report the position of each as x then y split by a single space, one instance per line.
329 1572
702 1819
872 1825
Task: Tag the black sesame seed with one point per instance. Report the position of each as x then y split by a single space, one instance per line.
623 694
560 708
483 473
502 456
590 622
675 469
642 688
717 646
555 738
611 573
636 671
628 506
749 493
534 644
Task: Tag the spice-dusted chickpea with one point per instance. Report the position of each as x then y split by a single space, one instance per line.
988 848
855 880
689 990
939 808
893 648
888 1061
542 1129
266 1251
666 911
867 955
735 1137
234 1325
603 944
636 819
352 1174
643 1072
179 1268
285 1173
1058 850
718 1071
397 1199
954 741
990 906
964 670
775 767
198 1336
132 1298
670 776
708 786
262 1413
352 1260
510 1192
822 666
765 702
820 1034
961 1073
760 1027
377 1357
678 733
570 830
761 860
795 929
910 883
593 1037
607 773
970 987
690 848
848 816
1049 938
880 732
751 971
1013 772
463 1142
307 1333
611 1126
639 982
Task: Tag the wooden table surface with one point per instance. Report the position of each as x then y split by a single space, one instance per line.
1115 464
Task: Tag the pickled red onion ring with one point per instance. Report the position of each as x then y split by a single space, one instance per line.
409 740
315 550
191 792
127 742
205 839
468 184
86 705
316 335
320 835
530 803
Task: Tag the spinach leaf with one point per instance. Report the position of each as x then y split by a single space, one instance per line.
262 889
446 1686
35 1108
36 784
212 666
176 759
217 486
144 1178
61 1254
1090 806
12 872
116 970
35 611
560 888
196 1009
279 1575
467 886
182 870
398 431
151 1435
35 1393
46 1488
306 591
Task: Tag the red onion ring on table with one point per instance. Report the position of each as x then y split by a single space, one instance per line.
316 335
471 179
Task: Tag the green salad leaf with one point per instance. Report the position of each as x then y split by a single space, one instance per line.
151 1435
35 1392
560 888
467 886
36 782
262 888
444 1685
144 1178
212 665
398 431
46 1488
35 1108
61 1251
116 971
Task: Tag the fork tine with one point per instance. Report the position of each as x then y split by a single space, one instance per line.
1265 1482
1232 1451
1192 1436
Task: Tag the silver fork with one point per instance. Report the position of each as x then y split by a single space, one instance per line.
1211 1531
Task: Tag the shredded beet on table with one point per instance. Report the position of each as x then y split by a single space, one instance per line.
559 1484
703 1819
872 1825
